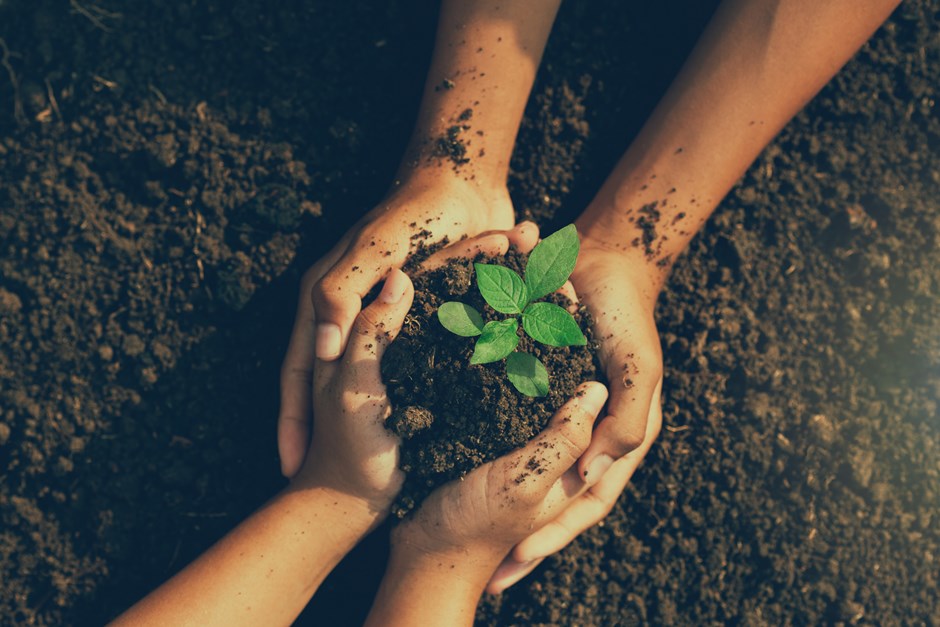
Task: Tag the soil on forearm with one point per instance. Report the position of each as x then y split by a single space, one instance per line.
454 416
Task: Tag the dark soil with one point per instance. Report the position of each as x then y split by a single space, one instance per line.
454 416
169 169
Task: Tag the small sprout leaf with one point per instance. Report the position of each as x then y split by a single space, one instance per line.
550 324
503 289
552 262
460 319
499 338
527 374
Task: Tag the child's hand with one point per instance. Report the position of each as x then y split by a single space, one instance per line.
467 527
351 451
331 292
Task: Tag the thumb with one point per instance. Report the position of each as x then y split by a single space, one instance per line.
534 469
379 323
635 377
337 297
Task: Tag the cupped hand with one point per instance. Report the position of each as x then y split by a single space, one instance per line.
332 290
351 450
475 521
620 293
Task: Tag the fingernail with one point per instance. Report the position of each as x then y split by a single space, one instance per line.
328 340
597 468
394 288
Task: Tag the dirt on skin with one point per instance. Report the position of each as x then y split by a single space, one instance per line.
156 161
454 416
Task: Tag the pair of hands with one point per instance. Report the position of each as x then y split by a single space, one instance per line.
335 353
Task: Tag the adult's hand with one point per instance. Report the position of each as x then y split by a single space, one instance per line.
331 291
449 548
757 63
481 72
620 296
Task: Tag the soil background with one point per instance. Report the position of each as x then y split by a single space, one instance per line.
169 169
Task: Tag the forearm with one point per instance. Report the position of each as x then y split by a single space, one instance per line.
266 569
423 589
485 60
756 65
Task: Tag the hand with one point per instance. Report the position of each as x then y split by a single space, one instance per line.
351 451
469 525
620 294
332 290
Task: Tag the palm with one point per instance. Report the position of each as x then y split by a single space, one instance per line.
623 321
620 298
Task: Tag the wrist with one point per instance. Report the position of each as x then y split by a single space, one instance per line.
450 586
466 566
361 513
492 192
602 257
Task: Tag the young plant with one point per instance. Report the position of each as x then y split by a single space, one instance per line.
549 265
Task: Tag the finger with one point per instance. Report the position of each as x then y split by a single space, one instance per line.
567 290
379 323
489 244
634 375
509 573
293 424
594 504
524 236
536 467
585 512
337 297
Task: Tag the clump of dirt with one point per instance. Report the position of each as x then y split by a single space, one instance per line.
649 218
453 416
451 145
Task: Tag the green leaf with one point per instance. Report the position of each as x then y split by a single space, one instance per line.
550 324
527 374
461 319
551 262
502 288
498 340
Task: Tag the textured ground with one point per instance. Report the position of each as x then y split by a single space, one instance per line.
171 168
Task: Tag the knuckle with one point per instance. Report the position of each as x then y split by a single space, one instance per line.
323 288
310 278
524 489
288 416
317 293
368 321
573 438
529 494
603 506
330 296
370 241
291 373
629 439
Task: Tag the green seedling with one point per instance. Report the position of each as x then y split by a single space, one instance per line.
548 267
